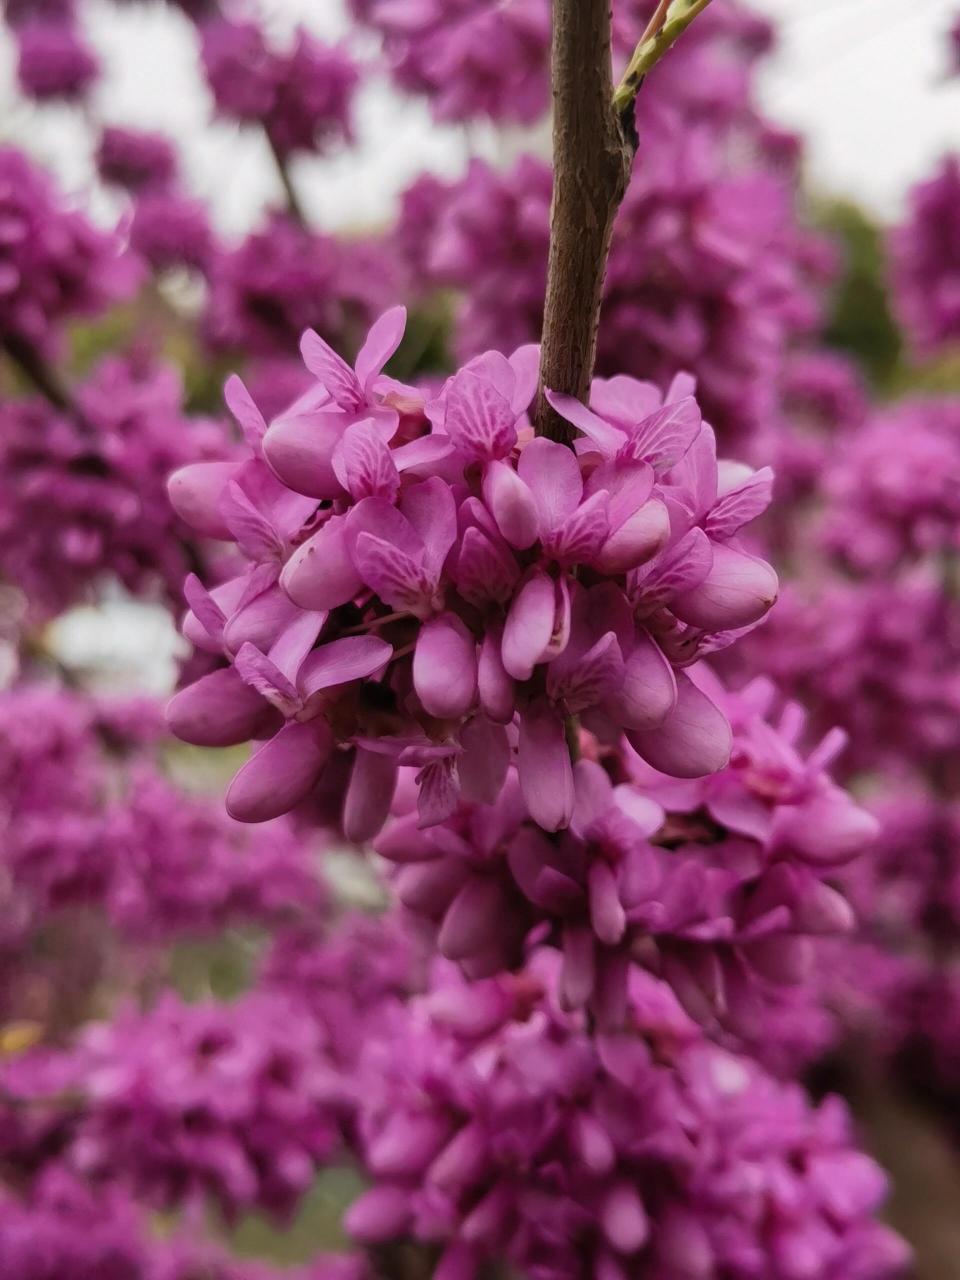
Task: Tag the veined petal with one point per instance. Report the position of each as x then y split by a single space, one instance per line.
478 419
525 363
256 670
546 774
740 505
281 773
386 334
445 667
665 437
596 675
398 580
609 439
580 538
486 570
432 513
241 405
363 463
330 370
552 474
340 661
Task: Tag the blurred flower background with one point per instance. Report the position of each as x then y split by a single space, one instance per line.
215 1036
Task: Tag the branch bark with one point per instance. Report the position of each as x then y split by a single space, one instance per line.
592 156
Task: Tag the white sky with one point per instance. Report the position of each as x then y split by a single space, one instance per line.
864 80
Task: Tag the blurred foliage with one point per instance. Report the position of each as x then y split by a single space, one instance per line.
316 1228
861 321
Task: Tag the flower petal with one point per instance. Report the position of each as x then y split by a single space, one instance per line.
692 741
386 334
340 661
281 773
546 774
529 625
218 710
321 573
552 474
511 504
445 667
195 492
738 590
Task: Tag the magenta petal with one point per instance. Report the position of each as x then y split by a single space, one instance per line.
218 710
546 774
649 690
637 540
428 888
552 474
241 404
336 378
578 973
593 1144
478 419
472 919
462 1159
340 661
606 911
407 1142
382 341
366 807
607 438
692 741
261 620
511 504
738 590
299 447
195 492
485 760
495 686
380 1214
320 574
624 1219
445 667
529 625
432 512
281 773
364 464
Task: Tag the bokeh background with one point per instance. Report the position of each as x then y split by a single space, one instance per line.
813 289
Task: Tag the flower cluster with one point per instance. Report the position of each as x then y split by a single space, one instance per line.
708 269
135 160
54 61
65 1228
303 97
54 264
925 267
121 840
236 1102
429 585
283 279
878 659
82 487
470 58
495 1127
721 885
893 491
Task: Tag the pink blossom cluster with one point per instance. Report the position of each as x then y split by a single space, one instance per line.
495 1127
724 886
284 278
426 584
925 261
893 490
708 271
62 1227
120 840
231 1102
83 486
476 59
303 97
54 264
54 60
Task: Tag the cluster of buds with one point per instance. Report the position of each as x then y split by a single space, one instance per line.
428 584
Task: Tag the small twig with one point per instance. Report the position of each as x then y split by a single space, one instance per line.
25 356
294 207
668 23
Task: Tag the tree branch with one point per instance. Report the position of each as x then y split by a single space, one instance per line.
592 156
294 207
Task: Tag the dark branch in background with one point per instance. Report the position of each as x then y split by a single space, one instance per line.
40 376
594 142
294 207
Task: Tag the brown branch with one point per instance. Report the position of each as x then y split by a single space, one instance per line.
38 374
592 156
294 207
